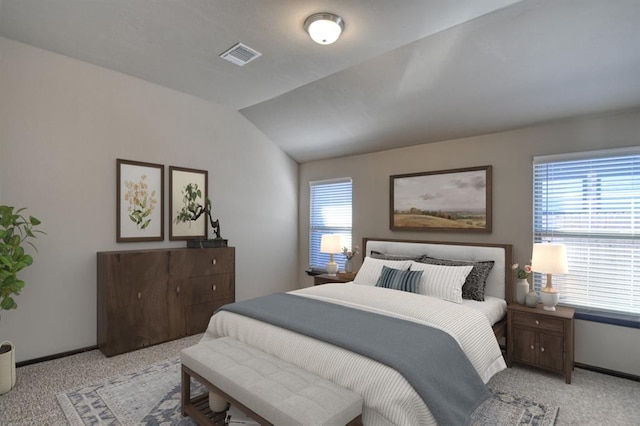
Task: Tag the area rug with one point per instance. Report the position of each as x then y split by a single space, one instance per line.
152 396
505 409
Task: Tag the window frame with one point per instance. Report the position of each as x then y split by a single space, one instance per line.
343 186
546 228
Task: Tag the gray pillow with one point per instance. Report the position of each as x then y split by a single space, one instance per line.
384 256
473 288
397 279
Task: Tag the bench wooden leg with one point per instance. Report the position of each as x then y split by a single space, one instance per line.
186 391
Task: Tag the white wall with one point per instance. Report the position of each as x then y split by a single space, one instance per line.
63 123
511 154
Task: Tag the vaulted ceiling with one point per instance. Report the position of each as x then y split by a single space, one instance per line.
403 72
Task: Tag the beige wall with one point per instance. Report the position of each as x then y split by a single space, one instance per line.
511 154
63 123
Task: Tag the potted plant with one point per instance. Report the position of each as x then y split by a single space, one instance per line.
192 210
15 232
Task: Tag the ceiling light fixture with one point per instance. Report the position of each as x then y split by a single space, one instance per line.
324 28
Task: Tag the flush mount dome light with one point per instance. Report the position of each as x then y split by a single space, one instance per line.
324 28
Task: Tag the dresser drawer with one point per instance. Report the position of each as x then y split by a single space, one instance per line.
208 289
199 262
538 321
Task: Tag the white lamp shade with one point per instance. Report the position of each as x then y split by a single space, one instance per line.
549 258
324 28
331 243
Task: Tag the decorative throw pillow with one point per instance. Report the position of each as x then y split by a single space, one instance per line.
385 256
443 282
399 280
476 281
371 269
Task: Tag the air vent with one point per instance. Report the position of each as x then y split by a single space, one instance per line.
240 54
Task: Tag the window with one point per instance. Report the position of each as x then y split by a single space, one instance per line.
330 213
591 202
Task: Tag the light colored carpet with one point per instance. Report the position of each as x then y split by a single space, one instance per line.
591 399
151 395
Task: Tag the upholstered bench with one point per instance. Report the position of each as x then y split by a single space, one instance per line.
266 388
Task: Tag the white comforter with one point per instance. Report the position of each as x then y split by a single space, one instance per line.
388 397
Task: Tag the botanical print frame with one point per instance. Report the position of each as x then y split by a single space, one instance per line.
140 201
457 200
179 178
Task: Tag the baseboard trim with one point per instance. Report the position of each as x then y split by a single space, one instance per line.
55 356
608 372
601 370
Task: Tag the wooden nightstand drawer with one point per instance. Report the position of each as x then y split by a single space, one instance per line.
340 278
541 338
538 321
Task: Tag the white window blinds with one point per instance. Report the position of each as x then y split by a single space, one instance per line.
330 213
591 202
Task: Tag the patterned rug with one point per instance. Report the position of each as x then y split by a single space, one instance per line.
505 409
151 396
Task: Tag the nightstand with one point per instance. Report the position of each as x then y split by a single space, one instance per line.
342 277
540 338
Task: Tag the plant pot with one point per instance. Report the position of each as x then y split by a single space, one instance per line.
202 243
7 367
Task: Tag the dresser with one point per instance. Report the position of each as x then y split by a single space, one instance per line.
147 297
540 338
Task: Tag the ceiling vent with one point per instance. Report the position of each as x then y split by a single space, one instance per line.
240 54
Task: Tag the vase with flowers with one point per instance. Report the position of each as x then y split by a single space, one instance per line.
349 253
525 295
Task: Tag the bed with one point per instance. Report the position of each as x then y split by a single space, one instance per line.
389 398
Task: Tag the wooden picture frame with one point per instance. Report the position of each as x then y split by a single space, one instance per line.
140 201
179 178
457 200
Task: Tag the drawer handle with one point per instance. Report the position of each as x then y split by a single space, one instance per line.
214 261
537 322
139 295
541 349
532 348
178 290
213 287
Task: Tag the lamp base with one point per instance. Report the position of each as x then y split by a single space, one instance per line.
332 268
549 299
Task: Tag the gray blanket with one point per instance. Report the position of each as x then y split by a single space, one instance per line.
428 358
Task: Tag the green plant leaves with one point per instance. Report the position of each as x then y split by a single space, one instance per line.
15 230
8 303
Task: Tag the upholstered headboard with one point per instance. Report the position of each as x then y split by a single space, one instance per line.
499 280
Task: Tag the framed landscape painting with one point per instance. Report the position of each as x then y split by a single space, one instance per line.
140 207
448 200
179 178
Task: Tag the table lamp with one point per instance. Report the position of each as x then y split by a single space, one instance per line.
332 244
549 258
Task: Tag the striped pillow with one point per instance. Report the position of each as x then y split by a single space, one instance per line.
399 280
371 269
443 282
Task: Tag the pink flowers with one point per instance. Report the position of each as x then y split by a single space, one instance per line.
521 273
350 253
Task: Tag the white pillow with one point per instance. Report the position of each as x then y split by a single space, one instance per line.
371 269
443 282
